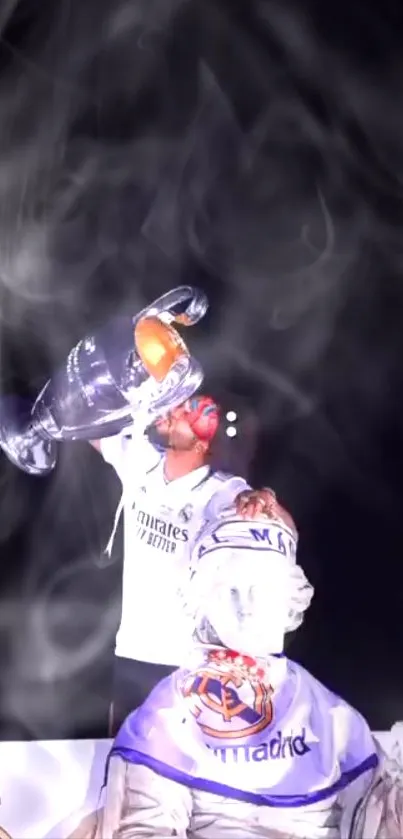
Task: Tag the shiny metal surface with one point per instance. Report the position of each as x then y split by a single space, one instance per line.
20 441
184 304
102 386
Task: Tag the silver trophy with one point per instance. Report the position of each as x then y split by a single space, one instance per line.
136 365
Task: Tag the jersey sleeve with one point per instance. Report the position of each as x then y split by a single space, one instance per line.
124 453
113 452
227 489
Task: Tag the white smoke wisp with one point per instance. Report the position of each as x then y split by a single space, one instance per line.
65 193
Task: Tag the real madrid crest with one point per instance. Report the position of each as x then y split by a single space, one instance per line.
226 705
186 513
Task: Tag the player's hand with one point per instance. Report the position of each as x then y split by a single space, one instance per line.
262 503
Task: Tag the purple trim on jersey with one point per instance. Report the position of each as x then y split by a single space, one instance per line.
253 548
203 480
152 468
166 771
196 486
254 523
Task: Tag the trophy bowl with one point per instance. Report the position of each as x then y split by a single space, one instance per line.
136 368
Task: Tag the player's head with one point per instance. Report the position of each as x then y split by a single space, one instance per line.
192 426
246 590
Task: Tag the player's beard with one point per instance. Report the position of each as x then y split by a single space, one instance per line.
158 437
165 435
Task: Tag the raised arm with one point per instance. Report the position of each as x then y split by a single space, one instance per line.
126 452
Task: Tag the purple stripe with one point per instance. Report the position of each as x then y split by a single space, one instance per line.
254 547
160 768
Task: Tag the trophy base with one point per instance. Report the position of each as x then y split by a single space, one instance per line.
25 448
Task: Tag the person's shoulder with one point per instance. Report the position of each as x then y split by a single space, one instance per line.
320 693
223 477
223 489
336 723
162 698
226 481
314 684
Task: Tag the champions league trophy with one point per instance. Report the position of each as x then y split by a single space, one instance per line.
137 365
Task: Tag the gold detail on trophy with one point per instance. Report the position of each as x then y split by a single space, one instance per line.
4 834
159 345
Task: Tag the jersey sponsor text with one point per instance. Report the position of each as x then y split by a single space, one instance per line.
157 532
275 538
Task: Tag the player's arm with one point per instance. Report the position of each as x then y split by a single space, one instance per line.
249 503
123 451
253 503
228 489
113 450
144 803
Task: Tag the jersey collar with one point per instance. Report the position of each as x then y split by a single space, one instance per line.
191 481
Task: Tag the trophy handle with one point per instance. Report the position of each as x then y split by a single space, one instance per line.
22 443
169 307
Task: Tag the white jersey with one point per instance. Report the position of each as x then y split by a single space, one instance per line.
161 519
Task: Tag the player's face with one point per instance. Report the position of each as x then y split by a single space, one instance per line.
174 431
181 436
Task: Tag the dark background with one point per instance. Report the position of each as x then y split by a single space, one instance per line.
255 149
